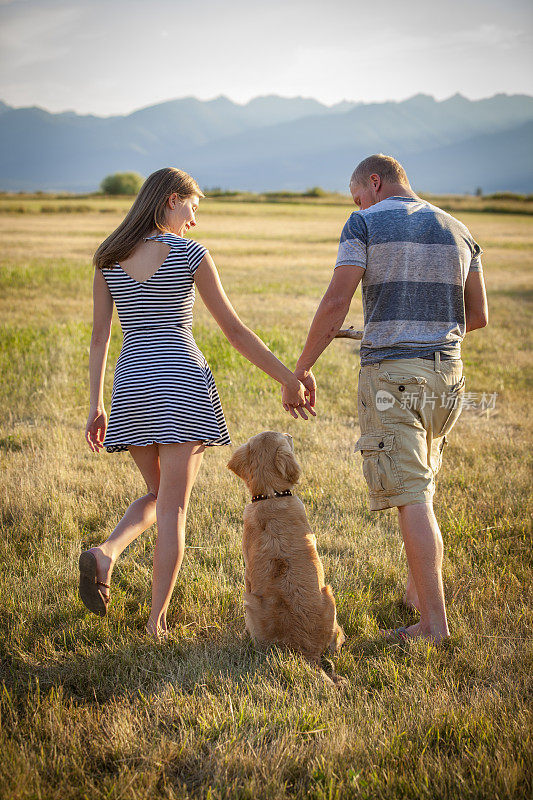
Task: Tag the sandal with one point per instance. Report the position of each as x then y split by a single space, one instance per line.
90 594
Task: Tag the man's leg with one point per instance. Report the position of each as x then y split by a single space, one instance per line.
424 550
401 458
410 596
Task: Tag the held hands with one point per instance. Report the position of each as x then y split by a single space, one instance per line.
306 377
95 429
298 397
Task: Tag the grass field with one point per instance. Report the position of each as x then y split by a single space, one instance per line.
91 709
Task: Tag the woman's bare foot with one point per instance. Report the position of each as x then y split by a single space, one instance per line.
157 630
104 569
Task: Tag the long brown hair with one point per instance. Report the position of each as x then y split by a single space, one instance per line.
146 213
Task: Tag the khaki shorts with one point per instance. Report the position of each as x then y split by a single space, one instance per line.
406 409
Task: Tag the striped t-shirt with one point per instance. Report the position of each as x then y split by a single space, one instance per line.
416 259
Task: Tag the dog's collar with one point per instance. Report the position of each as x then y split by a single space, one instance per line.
256 497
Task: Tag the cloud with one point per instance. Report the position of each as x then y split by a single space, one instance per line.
111 56
40 37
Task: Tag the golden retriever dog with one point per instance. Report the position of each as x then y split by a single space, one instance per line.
286 600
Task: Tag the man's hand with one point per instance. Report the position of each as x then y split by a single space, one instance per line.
306 377
295 398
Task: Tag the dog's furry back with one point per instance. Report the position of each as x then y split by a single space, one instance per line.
286 600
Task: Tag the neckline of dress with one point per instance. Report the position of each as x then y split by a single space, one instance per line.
160 267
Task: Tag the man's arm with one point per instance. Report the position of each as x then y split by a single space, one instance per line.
330 314
476 307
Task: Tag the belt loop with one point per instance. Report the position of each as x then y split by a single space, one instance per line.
437 361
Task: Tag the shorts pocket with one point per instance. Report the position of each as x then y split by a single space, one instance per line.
379 463
398 392
436 460
402 380
453 400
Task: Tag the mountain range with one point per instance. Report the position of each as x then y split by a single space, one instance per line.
274 143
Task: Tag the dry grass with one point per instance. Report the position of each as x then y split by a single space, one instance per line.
89 708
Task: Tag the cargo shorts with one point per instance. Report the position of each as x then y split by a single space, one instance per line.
407 407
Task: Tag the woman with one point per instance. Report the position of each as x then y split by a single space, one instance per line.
165 408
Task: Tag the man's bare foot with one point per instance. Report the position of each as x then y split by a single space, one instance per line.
104 569
410 597
416 631
411 602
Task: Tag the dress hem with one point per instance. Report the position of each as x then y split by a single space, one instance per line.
120 448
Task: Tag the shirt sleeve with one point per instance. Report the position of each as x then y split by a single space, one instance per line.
353 243
195 253
475 263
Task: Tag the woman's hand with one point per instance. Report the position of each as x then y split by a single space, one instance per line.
95 429
295 398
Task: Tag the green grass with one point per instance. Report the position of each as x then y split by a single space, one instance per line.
90 708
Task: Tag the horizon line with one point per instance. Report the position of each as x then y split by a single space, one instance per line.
266 96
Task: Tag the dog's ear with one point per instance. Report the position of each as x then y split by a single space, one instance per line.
286 464
238 463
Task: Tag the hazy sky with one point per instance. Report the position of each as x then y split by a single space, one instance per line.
113 56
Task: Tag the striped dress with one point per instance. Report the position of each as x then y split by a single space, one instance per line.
163 389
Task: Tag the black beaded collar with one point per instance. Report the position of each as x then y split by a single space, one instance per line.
256 497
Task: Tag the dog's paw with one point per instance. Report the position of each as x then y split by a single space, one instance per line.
328 669
334 681
327 679
340 682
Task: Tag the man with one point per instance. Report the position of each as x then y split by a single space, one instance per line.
423 290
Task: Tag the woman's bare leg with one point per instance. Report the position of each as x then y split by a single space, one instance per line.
139 516
179 465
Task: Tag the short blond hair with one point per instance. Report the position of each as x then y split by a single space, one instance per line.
388 168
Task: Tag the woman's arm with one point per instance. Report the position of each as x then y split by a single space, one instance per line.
242 338
102 316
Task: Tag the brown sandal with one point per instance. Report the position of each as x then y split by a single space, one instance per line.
90 594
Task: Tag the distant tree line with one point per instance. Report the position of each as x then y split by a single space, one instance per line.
122 183
129 183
